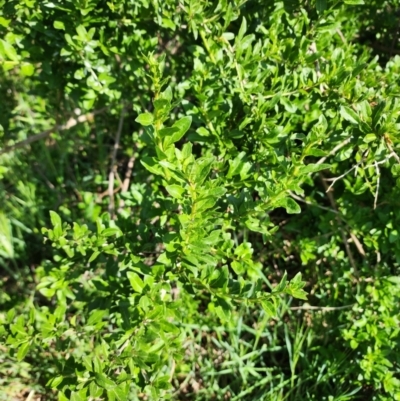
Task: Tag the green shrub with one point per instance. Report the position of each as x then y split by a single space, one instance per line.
192 163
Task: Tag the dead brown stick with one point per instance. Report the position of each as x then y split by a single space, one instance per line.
127 180
113 168
106 193
69 124
128 174
358 244
395 155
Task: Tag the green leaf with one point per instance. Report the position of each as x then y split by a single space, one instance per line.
269 307
282 285
370 138
296 280
182 125
75 396
394 236
23 350
96 316
165 132
242 30
395 170
236 165
95 390
27 69
95 254
200 170
47 292
350 115
223 309
145 119
321 5
237 267
55 382
289 204
152 165
175 191
4 22
59 25
313 168
289 106
82 32
55 219
117 393
298 293
7 51
167 94
169 327
109 232
221 280
354 2
394 280
10 315
8 65
62 397
315 152
103 381
136 282
162 105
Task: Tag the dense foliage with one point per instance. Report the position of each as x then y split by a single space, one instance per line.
199 200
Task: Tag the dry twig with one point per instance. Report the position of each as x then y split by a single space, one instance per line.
334 150
127 180
393 153
378 176
69 124
334 180
340 33
300 199
321 308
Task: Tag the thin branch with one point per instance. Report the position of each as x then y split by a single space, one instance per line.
395 155
69 124
335 149
321 308
113 168
357 243
378 176
300 199
106 193
171 374
334 180
241 80
30 395
126 182
128 174
381 162
339 32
